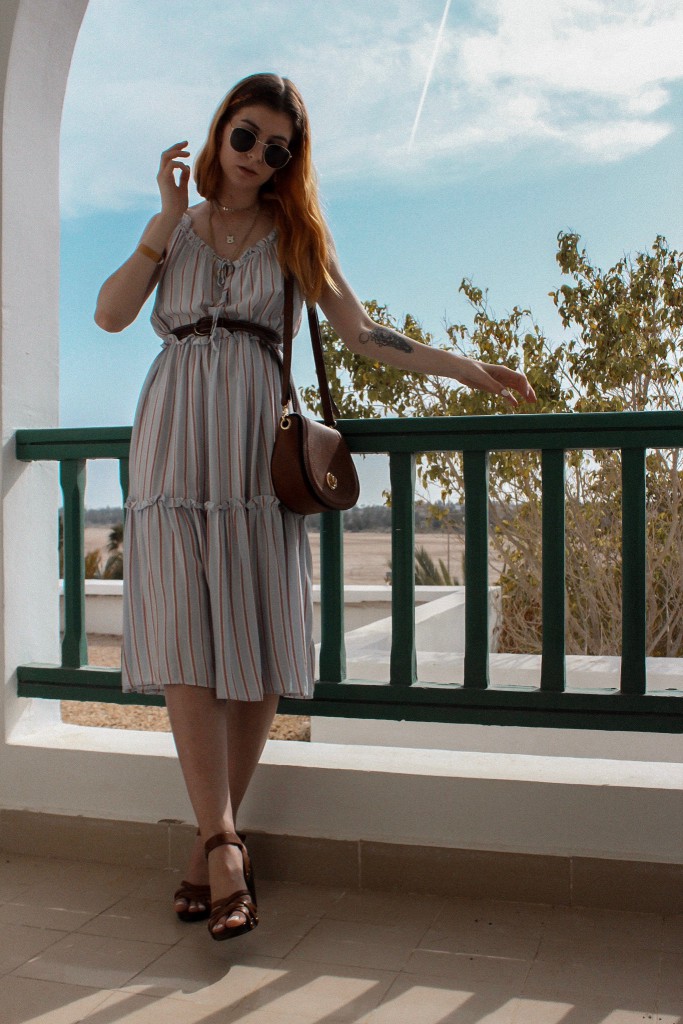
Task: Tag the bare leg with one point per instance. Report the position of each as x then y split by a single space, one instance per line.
249 723
202 735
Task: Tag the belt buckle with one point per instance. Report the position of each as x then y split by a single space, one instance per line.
203 326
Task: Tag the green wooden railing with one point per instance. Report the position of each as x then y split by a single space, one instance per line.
474 700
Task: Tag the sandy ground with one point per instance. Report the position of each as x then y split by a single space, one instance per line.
366 555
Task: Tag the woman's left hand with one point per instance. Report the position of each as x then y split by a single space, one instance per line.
497 380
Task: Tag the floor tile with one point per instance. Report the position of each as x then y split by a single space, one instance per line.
288 897
617 985
320 992
71 896
584 1011
215 977
113 877
91 960
46 912
345 942
46 1002
578 933
19 943
130 1008
148 920
485 928
670 995
672 934
467 971
25 871
155 885
386 908
10 890
435 1001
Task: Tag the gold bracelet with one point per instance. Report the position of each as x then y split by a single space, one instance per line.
151 254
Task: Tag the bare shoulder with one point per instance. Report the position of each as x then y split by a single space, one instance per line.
199 214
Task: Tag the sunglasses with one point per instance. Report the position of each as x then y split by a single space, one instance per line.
242 140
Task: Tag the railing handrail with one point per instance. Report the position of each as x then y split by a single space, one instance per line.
477 433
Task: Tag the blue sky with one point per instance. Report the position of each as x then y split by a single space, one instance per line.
538 116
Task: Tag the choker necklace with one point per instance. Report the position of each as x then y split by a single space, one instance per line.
234 209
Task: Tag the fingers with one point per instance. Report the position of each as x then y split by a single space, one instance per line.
502 381
177 150
171 159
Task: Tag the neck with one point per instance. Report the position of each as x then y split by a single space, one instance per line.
240 200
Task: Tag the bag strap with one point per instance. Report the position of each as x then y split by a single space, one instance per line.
328 405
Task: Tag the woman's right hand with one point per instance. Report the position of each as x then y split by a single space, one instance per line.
174 194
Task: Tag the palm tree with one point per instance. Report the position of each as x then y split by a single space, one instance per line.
427 573
113 569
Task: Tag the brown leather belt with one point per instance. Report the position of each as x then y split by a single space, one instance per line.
202 328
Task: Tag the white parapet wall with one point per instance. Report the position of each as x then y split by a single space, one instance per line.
362 605
440 640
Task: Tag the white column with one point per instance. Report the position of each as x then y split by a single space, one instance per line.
38 38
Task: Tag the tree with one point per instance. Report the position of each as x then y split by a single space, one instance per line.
427 573
621 350
113 568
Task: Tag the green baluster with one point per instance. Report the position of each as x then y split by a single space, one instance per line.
553 671
123 481
634 569
475 471
75 642
332 649
403 667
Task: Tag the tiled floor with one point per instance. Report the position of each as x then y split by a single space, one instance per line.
98 944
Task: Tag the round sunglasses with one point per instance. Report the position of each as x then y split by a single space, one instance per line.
243 139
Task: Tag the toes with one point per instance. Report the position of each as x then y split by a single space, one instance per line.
234 921
193 906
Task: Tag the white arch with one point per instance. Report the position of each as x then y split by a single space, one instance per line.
37 39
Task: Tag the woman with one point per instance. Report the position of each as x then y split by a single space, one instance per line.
217 611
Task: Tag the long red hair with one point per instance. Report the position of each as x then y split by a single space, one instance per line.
303 248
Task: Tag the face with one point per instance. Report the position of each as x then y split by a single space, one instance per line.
249 169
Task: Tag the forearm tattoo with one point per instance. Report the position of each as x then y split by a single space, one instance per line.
385 338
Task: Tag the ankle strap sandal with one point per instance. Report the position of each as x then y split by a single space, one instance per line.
242 901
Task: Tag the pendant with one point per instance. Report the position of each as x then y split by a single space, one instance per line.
230 239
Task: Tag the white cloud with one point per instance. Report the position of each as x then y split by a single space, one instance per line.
586 79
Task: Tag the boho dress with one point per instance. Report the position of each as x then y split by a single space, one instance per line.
217 575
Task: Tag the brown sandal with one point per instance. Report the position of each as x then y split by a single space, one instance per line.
191 892
242 901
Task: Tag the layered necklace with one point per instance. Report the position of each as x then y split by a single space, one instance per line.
230 237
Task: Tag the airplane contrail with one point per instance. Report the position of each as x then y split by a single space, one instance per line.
430 72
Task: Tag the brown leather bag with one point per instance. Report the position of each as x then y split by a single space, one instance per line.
311 465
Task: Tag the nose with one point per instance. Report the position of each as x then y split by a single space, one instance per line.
256 153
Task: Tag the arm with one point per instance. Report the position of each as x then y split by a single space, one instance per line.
123 295
364 337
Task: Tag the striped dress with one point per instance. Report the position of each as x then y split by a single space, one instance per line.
217 573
